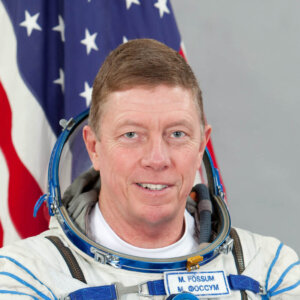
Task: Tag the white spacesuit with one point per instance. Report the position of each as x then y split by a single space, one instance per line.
64 263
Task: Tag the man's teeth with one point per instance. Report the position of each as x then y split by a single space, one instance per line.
153 187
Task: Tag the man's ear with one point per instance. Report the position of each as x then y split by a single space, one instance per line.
204 141
205 137
92 146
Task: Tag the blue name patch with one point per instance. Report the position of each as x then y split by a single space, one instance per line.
205 284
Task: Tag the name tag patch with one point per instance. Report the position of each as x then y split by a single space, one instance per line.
205 284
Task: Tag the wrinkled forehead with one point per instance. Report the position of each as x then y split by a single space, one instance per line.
152 99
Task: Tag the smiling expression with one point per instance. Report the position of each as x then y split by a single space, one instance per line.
148 149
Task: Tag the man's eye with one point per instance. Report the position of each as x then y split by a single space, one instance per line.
130 135
178 134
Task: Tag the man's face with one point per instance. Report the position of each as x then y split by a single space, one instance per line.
147 151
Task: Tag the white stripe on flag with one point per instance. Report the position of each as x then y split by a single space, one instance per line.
32 136
9 232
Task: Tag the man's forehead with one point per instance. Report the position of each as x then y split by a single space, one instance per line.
159 99
155 98
145 102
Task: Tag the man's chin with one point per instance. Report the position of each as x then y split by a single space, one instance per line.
157 215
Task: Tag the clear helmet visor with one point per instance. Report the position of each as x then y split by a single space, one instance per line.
74 159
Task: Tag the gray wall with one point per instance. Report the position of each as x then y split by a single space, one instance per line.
246 55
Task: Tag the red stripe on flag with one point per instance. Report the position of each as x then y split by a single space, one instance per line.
23 190
181 52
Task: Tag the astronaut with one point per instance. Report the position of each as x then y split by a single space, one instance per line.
142 230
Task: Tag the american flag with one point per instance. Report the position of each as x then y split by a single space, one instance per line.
50 52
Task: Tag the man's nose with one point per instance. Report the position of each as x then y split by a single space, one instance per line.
156 155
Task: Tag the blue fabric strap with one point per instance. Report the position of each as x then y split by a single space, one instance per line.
156 287
109 292
105 292
236 282
243 283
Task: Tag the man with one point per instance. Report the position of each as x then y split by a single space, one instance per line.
137 236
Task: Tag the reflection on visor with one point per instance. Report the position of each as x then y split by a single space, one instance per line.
74 159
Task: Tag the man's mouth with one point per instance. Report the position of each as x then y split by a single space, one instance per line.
152 187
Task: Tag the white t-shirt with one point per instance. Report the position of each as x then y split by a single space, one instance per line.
102 233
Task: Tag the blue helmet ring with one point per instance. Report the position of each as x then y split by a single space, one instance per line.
69 159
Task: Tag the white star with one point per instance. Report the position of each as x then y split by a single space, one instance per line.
129 2
61 79
87 93
125 40
161 5
30 22
60 27
89 41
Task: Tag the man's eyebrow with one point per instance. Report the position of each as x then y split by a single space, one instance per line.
182 122
129 123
